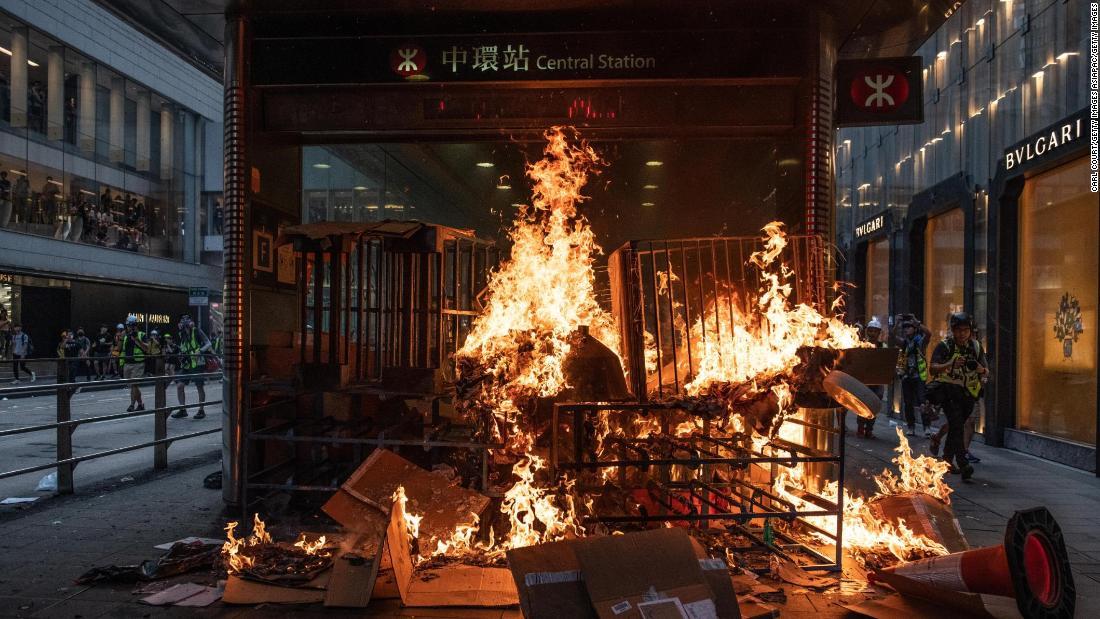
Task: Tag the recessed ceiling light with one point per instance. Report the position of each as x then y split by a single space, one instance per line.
504 186
485 164
322 166
650 187
654 163
359 188
647 204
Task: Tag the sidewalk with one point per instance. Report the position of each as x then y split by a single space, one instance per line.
44 548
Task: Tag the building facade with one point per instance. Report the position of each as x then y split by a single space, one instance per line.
985 207
110 171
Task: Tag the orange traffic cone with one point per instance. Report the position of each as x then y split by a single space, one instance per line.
1031 566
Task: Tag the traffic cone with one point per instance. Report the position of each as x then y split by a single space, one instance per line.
1031 566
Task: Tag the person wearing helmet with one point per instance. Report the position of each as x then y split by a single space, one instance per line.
194 346
958 366
871 333
913 371
133 348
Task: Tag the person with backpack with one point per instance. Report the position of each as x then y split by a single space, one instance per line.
913 372
193 347
958 365
21 348
133 347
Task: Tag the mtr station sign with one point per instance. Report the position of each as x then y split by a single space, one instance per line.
879 91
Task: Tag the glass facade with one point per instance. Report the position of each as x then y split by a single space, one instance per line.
877 298
1056 338
996 72
88 155
944 243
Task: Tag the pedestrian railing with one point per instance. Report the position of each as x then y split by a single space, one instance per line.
64 426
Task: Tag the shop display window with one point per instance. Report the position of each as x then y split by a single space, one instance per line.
1057 305
944 255
877 299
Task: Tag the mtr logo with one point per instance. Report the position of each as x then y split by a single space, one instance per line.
879 91
409 61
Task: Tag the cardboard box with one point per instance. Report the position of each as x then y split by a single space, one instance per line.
548 580
923 514
626 574
453 585
355 572
364 501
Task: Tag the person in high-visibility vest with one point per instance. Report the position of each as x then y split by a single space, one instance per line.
132 348
958 365
913 371
194 347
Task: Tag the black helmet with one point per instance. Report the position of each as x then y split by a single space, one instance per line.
959 319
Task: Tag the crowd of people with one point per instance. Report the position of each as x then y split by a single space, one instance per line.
128 352
121 221
946 379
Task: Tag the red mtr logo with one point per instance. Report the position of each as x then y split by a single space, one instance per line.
879 89
408 61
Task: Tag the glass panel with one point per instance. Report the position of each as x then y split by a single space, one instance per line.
1056 358
944 244
877 300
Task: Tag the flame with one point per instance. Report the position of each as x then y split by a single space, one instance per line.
865 532
233 547
412 521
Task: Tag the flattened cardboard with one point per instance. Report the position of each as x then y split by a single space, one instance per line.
241 591
453 585
923 514
352 583
364 500
621 571
548 579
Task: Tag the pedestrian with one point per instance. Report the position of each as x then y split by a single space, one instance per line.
153 358
170 349
872 334
958 365
21 348
101 352
85 367
194 346
116 351
913 372
69 350
132 351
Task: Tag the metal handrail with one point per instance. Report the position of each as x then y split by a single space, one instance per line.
65 462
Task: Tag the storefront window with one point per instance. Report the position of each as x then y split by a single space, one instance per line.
877 300
944 245
94 157
1057 305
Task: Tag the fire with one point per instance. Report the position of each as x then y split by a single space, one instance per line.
412 521
236 551
865 532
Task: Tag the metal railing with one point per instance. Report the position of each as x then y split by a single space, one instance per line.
64 426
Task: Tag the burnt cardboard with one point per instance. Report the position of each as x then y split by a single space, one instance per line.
549 582
923 514
363 502
870 366
241 591
623 571
355 572
925 600
452 585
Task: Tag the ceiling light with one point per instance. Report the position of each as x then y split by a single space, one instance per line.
649 187
1037 74
655 164
322 166
359 188
504 186
647 204
4 50
941 55
32 63
980 22
1065 55
485 164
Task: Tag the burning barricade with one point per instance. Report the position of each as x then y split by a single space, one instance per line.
700 422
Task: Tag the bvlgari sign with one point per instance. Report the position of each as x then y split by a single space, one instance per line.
871 226
1049 142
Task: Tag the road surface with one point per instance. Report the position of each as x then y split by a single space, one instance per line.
30 449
